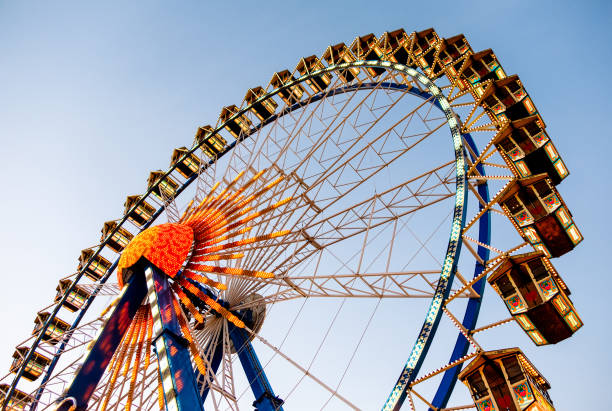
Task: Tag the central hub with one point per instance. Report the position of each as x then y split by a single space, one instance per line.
165 245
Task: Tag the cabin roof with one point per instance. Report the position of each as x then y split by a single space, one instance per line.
228 111
453 39
482 357
20 352
42 316
512 189
178 153
526 257
254 93
510 126
425 32
4 388
497 84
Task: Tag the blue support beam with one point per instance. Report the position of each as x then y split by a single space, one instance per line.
265 400
98 358
177 375
462 345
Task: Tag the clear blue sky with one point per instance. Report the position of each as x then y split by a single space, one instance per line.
93 97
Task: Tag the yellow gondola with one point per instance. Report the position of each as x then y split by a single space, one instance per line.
537 297
339 54
211 144
167 185
54 331
290 95
236 126
263 109
526 148
96 268
475 69
395 46
140 214
538 212
75 299
189 166
506 380
35 366
19 400
116 238
367 48
311 64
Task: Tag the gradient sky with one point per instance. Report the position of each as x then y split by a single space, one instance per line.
93 97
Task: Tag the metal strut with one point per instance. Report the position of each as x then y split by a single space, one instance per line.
262 390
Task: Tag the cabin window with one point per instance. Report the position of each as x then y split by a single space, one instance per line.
54 331
536 133
142 212
462 45
516 90
477 385
514 205
165 186
452 51
512 149
523 140
121 239
534 205
480 68
490 61
76 298
192 165
543 189
96 267
537 269
513 369
495 377
447 56
493 103
505 286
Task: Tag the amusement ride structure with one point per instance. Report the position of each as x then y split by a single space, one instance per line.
354 200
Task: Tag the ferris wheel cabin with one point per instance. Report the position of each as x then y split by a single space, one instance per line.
443 53
394 46
538 212
19 400
506 99
54 331
425 48
96 268
290 95
452 48
477 68
189 165
341 54
309 65
162 187
506 380
210 144
116 238
75 299
35 366
537 298
366 48
237 125
262 109
526 147
138 213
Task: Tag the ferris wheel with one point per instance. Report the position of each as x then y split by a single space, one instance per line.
336 228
